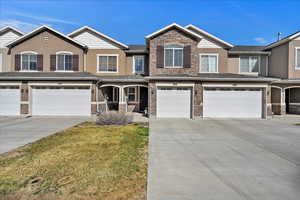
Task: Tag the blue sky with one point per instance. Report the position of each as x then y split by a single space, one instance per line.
247 22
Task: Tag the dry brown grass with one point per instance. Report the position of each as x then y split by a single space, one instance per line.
85 162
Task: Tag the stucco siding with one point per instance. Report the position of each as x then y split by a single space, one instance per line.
46 43
91 62
234 64
293 72
278 61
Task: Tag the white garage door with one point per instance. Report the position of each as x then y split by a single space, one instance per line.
61 101
174 102
228 103
10 101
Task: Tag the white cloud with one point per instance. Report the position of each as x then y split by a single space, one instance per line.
41 18
22 25
260 40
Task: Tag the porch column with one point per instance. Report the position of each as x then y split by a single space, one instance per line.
122 103
282 103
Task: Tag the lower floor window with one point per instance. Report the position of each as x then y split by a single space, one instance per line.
131 93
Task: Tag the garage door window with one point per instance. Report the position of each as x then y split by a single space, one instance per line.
249 64
29 62
208 63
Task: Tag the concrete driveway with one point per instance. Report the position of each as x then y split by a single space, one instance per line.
224 159
15 132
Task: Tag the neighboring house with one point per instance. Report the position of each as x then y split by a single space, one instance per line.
284 63
181 72
7 34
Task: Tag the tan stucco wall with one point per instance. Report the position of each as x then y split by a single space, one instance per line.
234 64
278 61
222 54
47 47
6 60
293 73
91 61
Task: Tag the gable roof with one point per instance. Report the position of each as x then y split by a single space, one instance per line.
173 25
283 40
39 30
10 28
192 27
78 31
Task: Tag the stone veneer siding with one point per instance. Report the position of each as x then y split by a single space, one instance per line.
169 38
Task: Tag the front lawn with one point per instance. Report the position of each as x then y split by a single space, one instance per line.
83 162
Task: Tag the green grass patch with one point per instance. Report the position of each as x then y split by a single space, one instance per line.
83 162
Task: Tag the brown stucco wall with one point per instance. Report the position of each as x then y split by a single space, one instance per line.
47 47
173 36
223 58
293 72
278 61
234 64
91 61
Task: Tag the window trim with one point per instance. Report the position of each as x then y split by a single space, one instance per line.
254 73
208 54
28 52
107 72
173 48
135 94
64 53
133 63
296 58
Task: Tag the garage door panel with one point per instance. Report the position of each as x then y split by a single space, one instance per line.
173 103
61 102
232 104
9 101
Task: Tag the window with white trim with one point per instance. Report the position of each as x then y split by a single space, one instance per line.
29 62
138 64
249 64
107 63
131 94
173 56
64 62
297 58
208 63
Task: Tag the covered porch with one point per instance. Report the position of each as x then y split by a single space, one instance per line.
123 98
285 99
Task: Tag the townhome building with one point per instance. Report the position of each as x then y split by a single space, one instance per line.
180 72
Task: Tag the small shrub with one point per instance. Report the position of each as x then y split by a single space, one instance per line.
113 118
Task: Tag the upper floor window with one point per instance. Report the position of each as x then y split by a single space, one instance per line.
29 61
138 64
298 58
64 61
208 63
107 63
173 56
249 64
